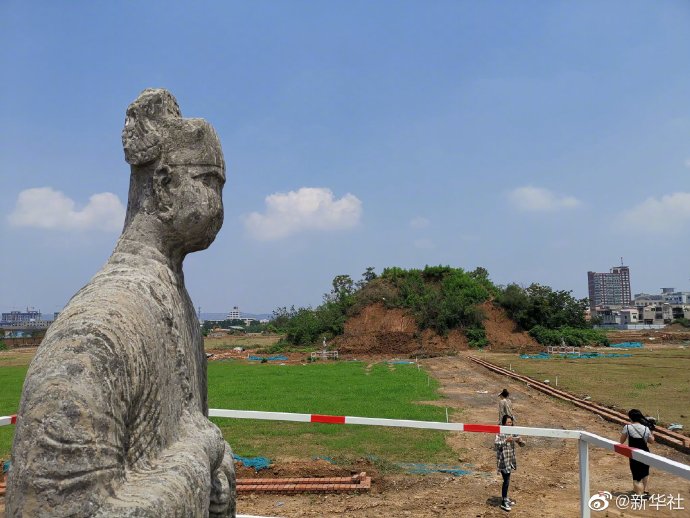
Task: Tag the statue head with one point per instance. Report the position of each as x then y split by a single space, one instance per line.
178 171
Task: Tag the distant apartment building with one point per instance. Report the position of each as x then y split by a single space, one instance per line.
672 296
18 317
645 299
667 296
234 314
609 289
17 323
663 308
629 316
680 311
657 314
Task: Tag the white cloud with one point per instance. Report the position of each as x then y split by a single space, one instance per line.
309 208
44 207
538 199
419 222
664 215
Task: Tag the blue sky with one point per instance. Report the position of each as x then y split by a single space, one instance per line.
537 139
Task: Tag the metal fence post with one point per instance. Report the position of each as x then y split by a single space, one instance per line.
584 478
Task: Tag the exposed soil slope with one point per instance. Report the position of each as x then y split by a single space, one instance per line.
503 334
379 330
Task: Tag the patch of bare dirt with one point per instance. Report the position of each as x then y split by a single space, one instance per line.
546 483
380 330
672 333
225 354
503 334
301 469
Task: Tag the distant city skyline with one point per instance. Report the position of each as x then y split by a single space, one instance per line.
538 140
216 314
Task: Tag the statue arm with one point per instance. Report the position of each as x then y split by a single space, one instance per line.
69 441
73 439
224 487
178 484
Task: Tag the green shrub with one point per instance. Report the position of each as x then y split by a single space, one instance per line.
539 305
440 297
377 290
3 345
476 337
570 336
682 321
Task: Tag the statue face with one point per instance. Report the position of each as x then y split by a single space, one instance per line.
140 137
197 204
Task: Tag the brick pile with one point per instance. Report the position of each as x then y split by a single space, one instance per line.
356 483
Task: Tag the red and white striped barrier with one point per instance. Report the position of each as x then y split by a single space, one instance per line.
8 419
400 423
584 438
657 461
651 459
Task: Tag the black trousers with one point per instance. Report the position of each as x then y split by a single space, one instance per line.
506 483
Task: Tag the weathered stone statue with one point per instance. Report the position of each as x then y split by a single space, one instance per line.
113 416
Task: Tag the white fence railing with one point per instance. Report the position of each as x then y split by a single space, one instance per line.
584 438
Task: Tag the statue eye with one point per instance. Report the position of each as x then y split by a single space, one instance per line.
211 179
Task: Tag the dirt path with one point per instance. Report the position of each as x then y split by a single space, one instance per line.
545 485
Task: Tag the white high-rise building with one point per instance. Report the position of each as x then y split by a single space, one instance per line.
234 314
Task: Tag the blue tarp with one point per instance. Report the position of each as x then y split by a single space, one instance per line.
416 468
422 469
258 463
582 356
399 362
278 358
626 345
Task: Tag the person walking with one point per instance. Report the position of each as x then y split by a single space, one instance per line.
638 435
506 461
505 406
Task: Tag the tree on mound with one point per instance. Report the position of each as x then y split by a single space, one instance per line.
443 298
551 317
440 298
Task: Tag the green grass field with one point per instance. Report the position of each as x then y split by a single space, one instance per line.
653 380
341 388
11 380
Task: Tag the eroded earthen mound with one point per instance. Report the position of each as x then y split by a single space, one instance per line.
380 330
503 334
